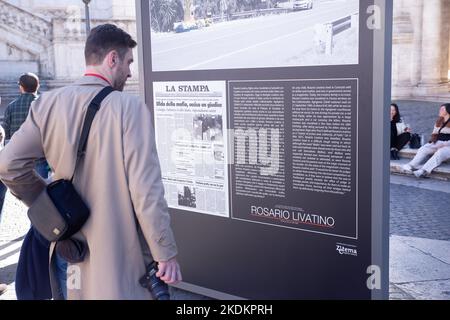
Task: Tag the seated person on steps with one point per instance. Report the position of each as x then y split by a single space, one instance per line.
438 147
400 133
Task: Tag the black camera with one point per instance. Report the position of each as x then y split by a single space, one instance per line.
158 288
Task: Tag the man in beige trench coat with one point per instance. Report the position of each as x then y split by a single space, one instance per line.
119 176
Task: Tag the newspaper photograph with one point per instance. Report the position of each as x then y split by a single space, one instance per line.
190 125
237 34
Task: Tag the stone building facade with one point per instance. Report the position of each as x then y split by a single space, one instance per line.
420 59
47 37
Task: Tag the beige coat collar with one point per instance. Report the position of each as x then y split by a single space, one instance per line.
91 80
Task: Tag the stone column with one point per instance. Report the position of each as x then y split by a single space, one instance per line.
449 57
401 51
433 79
123 9
417 24
68 49
445 36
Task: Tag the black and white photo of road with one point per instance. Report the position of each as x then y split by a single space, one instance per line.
279 37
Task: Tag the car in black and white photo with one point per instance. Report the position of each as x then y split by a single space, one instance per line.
302 4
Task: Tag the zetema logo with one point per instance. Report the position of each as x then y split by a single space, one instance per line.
346 249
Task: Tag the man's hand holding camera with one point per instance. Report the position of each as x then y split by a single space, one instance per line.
169 271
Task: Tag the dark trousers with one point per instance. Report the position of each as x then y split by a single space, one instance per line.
2 197
400 141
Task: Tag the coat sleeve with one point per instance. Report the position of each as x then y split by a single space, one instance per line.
144 181
17 160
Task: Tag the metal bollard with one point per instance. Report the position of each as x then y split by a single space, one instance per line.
329 39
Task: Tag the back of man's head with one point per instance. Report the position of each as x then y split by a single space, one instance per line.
103 39
29 82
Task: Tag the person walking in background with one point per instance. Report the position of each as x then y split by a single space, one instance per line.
400 133
17 111
32 282
438 147
119 177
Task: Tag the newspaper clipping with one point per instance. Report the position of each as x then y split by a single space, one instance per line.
190 119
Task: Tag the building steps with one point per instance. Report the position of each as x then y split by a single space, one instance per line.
440 173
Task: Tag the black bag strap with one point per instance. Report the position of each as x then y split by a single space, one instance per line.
92 109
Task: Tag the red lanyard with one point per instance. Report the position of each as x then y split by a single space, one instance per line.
98 76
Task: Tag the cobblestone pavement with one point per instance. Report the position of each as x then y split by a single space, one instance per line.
420 208
420 213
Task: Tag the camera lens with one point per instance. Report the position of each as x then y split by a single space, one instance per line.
158 288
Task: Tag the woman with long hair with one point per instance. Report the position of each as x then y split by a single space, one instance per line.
400 133
438 147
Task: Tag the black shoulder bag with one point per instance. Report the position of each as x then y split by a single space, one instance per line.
59 212
440 136
414 142
444 136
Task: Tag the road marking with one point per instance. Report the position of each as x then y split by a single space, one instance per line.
247 48
291 18
227 25
223 37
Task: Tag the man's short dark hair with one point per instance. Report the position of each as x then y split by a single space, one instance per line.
105 38
29 82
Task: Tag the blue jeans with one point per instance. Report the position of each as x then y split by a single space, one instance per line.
2 197
42 168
